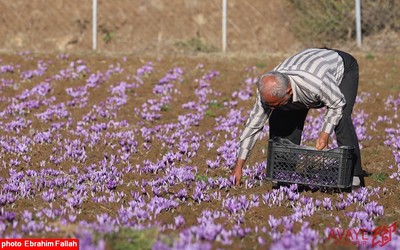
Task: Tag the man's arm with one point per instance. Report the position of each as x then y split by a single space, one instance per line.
334 100
326 91
254 125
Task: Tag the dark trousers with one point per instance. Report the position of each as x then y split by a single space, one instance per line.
289 124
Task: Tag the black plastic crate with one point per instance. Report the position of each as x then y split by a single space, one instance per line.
291 163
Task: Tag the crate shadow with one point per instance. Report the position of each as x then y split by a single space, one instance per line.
306 188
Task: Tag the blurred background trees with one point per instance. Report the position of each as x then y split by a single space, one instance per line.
325 21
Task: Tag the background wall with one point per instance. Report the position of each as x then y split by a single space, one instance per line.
146 26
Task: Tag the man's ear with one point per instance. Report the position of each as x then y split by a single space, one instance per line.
289 91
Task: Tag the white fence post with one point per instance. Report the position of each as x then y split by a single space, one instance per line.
358 22
94 25
224 5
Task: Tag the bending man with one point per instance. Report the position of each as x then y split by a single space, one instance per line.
313 78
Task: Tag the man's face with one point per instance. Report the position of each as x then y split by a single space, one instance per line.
268 83
273 102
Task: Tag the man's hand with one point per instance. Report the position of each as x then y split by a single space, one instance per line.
237 171
322 141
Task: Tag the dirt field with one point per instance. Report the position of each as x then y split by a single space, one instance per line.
93 145
131 147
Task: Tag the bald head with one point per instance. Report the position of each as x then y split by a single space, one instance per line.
273 86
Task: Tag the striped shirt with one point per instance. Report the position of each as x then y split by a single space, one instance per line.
315 75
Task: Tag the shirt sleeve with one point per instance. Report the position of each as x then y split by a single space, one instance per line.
254 125
334 101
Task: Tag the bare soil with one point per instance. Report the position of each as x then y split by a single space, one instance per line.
184 34
233 70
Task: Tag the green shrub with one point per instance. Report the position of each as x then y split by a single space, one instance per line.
380 176
325 21
322 20
131 239
380 15
195 45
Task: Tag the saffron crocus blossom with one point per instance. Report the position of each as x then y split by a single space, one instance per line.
7 68
128 153
306 239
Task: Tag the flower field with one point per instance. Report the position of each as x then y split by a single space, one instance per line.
128 152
